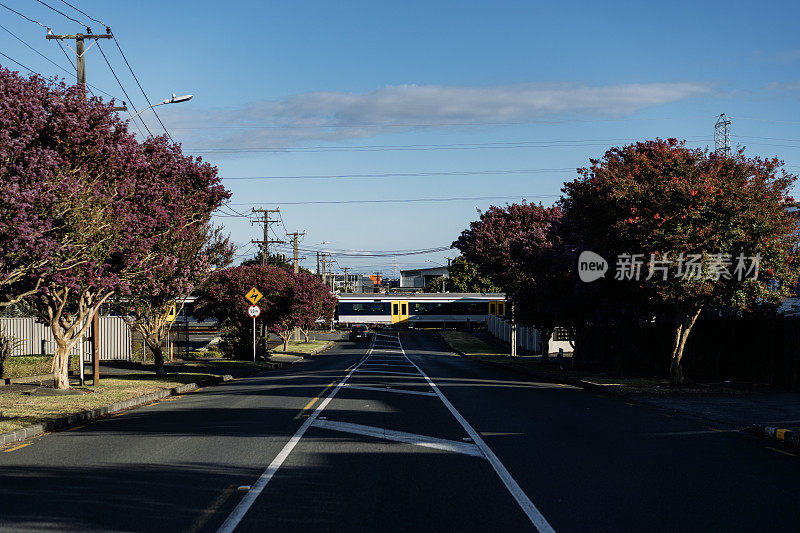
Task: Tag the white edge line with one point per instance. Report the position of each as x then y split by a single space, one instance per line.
436 443
534 515
244 505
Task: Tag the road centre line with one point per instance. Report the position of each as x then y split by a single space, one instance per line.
387 389
464 448
534 515
244 505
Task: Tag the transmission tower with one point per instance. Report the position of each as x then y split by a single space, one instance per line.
722 135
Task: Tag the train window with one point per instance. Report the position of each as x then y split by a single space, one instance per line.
492 308
377 308
501 309
359 308
394 309
405 312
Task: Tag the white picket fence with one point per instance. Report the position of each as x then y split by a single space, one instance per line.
528 337
115 338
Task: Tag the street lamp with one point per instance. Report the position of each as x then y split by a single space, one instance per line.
173 100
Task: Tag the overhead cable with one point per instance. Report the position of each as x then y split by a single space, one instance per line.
25 17
141 88
82 13
405 174
18 63
123 88
63 14
405 200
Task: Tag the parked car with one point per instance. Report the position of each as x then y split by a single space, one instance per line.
359 332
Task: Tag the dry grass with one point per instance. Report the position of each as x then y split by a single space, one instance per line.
20 409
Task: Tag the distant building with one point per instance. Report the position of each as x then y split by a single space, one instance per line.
417 279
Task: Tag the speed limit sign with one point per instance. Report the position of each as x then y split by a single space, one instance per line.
254 311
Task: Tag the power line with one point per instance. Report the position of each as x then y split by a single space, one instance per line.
423 147
435 124
405 174
405 200
34 49
393 254
142 89
82 13
26 18
123 88
64 14
18 63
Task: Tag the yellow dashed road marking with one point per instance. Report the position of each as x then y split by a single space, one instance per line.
779 451
15 448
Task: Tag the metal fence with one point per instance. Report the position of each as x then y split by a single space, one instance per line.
528 337
37 339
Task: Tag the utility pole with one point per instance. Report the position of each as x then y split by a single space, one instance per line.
295 249
317 271
322 272
296 260
345 278
266 221
80 52
722 135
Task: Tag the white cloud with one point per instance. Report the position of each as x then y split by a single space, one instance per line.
331 116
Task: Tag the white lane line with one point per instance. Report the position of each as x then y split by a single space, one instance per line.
387 389
401 436
534 515
238 513
391 372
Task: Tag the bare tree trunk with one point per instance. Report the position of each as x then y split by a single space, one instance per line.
61 364
544 342
158 355
305 333
684 323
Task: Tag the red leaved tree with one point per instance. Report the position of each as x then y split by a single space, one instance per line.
520 249
223 297
663 203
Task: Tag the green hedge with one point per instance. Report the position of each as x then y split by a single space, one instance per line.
32 365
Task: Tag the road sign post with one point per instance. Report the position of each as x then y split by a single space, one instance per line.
254 311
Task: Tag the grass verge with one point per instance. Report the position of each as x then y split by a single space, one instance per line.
473 347
21 409
299 347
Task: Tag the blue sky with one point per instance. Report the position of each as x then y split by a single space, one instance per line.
491 101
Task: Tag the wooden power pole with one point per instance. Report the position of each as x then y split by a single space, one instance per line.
266 221
80 52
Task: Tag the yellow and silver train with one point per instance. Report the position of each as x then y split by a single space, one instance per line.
419 308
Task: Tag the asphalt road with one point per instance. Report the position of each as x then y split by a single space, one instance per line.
399 436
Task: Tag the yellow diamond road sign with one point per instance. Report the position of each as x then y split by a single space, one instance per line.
254 296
